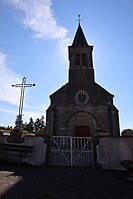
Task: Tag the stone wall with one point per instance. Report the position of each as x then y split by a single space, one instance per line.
39 151
111 150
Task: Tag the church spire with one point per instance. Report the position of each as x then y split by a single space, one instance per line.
80 57
79 39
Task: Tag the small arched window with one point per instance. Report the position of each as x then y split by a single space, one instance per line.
84 59
77 59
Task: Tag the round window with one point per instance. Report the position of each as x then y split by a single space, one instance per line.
81 96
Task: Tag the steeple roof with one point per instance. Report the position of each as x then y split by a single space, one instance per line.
79 39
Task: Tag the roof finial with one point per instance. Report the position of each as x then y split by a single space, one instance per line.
79 19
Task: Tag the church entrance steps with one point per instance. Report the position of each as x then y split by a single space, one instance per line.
71 151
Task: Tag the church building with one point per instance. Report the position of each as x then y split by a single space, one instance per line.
81 107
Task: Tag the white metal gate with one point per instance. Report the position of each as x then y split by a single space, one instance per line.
71 151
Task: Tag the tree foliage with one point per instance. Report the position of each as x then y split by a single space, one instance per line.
32 126
38 125
127 132
19 122
29 126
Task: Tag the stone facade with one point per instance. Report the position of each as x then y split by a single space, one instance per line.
82 107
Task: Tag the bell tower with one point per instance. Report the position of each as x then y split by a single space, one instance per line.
80 59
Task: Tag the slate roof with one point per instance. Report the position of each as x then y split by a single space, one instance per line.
79 39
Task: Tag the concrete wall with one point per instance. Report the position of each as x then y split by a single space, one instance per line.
39 151
111 150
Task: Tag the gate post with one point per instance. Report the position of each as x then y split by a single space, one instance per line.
95 142
71 151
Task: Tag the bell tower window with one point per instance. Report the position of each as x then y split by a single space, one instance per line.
77 59
84 59
80 59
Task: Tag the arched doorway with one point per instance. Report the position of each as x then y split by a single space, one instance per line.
82 124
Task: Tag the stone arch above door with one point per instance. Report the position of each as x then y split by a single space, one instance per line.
82 121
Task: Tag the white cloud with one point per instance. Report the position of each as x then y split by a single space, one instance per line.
39 17
7 78
63 48
7 111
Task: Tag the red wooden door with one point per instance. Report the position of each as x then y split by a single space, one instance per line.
82 131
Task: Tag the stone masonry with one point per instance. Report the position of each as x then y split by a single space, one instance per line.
82 107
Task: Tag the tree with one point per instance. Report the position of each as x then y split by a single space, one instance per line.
19 122
42 123
39 123
127 132
31 125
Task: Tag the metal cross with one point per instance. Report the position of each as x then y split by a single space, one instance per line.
79 19
22 86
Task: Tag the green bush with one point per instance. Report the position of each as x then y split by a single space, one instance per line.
127 133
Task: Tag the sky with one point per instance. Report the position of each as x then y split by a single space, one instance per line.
34 40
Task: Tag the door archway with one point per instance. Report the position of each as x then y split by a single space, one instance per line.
82 124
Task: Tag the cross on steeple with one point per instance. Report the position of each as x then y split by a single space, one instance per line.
79 19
